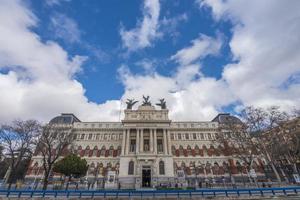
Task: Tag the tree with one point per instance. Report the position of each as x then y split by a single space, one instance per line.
71 166
237 141
53 143
18 140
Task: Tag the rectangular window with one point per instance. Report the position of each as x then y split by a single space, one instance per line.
209 136
97 136
146 145
179 136
90 136
202 136
187 136
194 136
172 136
160 148
82 136
132 145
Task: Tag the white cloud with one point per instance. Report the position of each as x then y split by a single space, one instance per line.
39 82
146 30
55 2
187 98
266 45
201 47
65 28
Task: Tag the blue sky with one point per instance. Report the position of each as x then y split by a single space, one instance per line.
203 56
98 24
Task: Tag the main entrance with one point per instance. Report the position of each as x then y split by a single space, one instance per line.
146 177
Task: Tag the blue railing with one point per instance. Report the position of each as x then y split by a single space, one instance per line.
153 193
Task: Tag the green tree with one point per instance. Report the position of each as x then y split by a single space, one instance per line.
71 166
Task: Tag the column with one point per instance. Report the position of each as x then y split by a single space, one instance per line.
124 142
137 141
151 140
141 140
128 141
165 142
155 141
169 142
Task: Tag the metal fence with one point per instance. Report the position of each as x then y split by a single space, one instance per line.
153 193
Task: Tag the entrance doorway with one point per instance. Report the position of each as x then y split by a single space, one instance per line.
146 177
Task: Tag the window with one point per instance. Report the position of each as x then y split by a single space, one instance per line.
132 145
187 136
209 136
82 136
202 136
97 136
102 152
90 136
179 136
146 145
194 136
131 168
160 148
111 151
161 167
172 136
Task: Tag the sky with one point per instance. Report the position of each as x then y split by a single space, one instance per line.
203 56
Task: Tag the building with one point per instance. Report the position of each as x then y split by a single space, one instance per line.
147 149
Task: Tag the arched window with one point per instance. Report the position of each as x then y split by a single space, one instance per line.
131 168
197 151
111 151
119 150
102 153
173 150
87 151
180 150
95 151
189 150
161 167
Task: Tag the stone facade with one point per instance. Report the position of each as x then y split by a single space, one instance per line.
147 149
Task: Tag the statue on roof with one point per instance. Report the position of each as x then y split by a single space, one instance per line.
130 103
146 101
162 103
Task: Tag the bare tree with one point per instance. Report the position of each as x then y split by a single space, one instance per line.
237 141
18 141
53 144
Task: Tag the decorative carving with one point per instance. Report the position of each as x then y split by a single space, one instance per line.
130 103
162 103
146 101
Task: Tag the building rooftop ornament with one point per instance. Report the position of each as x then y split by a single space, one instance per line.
146 101
130 103
162 104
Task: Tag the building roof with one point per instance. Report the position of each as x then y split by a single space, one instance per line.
224 118
64 118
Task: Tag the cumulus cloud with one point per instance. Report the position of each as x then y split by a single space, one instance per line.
201 47
37 78
199 99
146 30
265 46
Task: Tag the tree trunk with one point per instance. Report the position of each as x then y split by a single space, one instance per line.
276 172
46 179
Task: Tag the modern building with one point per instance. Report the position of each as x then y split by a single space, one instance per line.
147 149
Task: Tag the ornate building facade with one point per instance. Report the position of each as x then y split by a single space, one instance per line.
147 149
